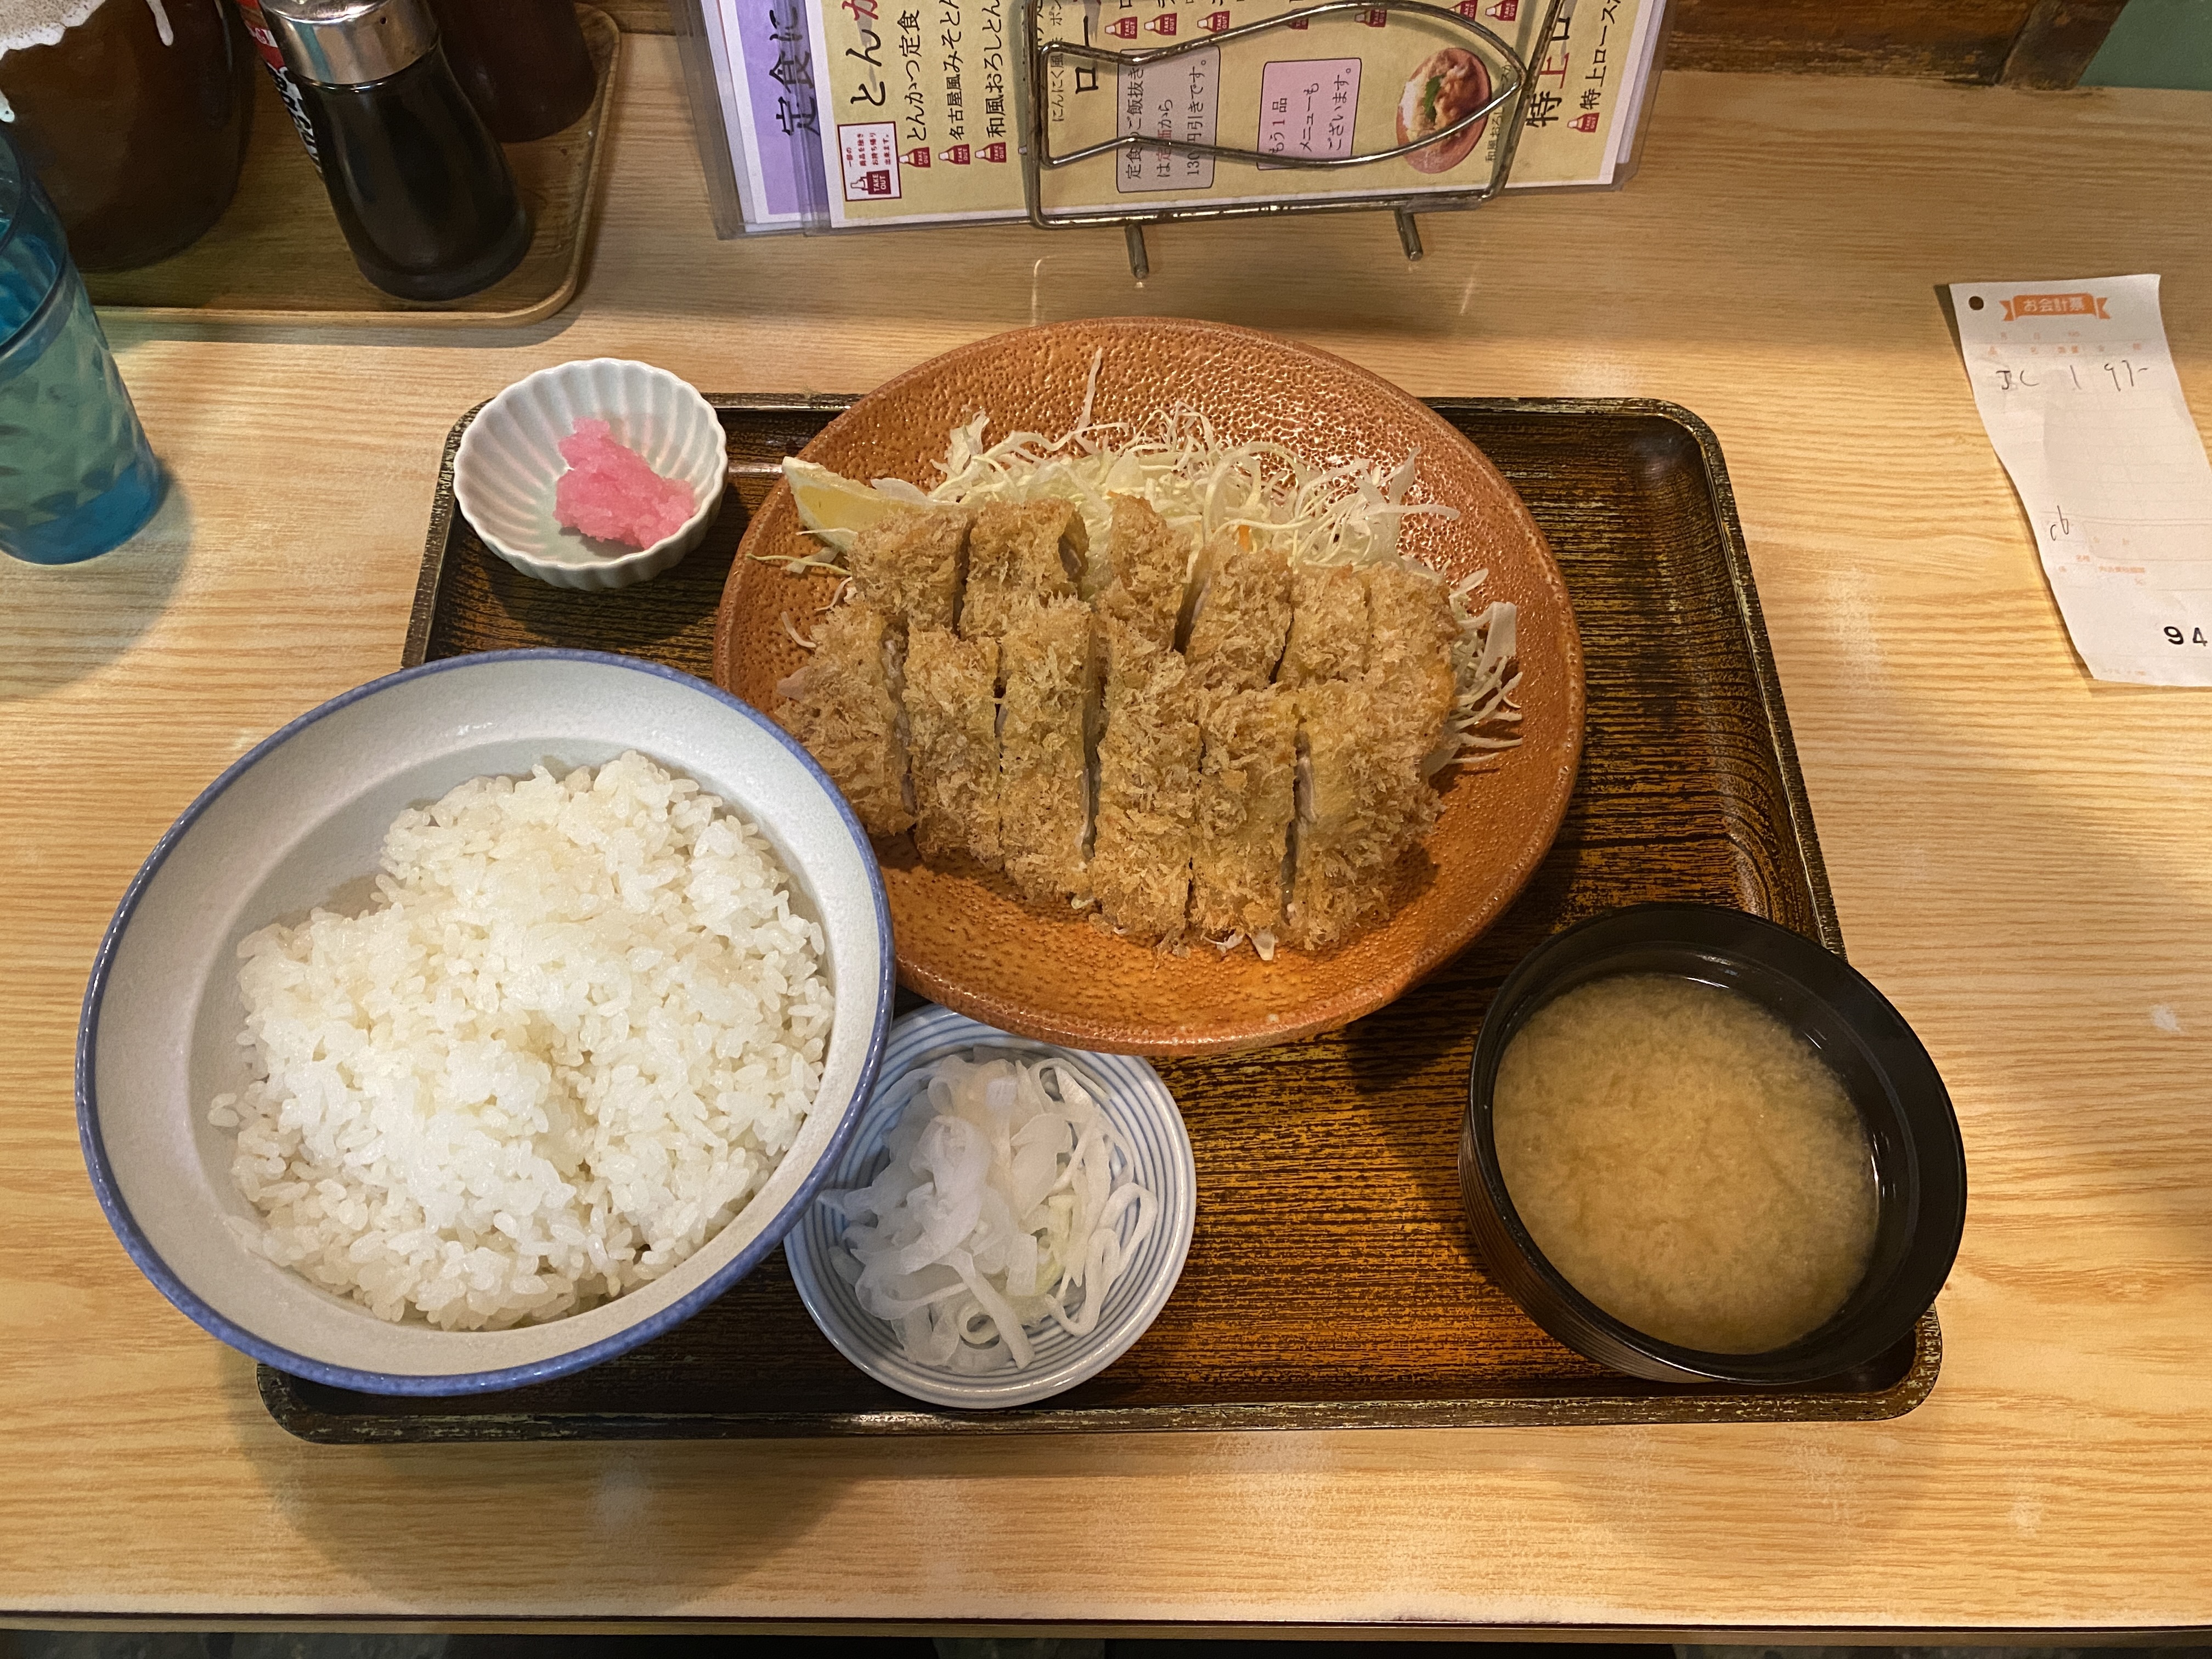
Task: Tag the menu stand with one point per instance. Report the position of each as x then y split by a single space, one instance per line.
1037 155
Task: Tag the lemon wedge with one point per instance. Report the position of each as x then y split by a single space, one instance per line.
833 506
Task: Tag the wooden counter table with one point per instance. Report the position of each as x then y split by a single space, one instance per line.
2018 856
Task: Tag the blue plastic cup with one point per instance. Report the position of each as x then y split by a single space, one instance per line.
76 476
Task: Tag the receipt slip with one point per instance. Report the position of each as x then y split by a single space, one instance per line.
2077 391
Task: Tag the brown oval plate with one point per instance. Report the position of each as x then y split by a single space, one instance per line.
964 940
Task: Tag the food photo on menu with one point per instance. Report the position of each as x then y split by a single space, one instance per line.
1058 827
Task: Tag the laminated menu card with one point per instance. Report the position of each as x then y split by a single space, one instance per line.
845 113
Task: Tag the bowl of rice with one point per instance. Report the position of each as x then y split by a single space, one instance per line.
483 1022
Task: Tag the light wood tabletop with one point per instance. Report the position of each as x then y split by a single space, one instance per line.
2019 857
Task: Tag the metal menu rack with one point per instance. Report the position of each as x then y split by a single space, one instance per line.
1510 87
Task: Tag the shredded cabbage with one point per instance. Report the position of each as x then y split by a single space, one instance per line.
1000 1211
1486 670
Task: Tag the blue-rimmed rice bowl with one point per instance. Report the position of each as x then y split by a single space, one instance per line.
298 822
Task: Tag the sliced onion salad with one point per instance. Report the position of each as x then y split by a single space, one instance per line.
1000 1212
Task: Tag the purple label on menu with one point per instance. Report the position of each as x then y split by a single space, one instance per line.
780 83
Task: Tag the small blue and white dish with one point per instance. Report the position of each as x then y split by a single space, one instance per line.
1150 1130
298 822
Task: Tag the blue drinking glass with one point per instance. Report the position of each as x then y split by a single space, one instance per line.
76 476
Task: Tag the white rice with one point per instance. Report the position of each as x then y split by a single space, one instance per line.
579 1028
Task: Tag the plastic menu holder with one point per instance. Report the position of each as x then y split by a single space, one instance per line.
750 74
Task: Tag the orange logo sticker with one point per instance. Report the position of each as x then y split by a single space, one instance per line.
2054 304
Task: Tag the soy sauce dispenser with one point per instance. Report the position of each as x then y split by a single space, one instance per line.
421 191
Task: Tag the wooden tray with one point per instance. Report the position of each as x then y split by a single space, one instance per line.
276 256
1332 1283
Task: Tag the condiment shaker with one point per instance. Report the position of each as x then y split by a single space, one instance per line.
523 62
421 190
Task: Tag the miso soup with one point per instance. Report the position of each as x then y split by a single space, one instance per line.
1686 1161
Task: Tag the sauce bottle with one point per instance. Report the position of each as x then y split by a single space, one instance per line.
135 116
523 62
421 191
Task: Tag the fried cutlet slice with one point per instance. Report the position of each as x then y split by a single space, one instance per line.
1242 620
842 706
1044 786
1409 653
1362 805
1020 554
1245 802
908 565
952 744
1329 626
1150 563
1148 763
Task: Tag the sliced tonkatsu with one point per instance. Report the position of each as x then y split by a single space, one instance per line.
1245 803
1242 619
952 742
1044 786
1150 562
1019 556
1329 626
1148 769
909 564
842 704
1194 739
1409 653
1362 805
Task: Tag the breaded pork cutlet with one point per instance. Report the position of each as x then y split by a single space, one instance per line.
1362 805
1242 620
952 744
1044 786
1148 761
1245 801
1020 554
1150 563
1409 653
842 706
909 564
1329 626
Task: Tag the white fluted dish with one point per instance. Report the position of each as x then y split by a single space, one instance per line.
1151 1131
510 459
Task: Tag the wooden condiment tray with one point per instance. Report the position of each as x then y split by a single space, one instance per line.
277 257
